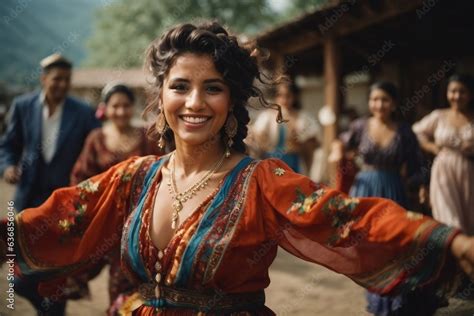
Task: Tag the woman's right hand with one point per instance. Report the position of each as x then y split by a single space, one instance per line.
428 145
12 174
434 149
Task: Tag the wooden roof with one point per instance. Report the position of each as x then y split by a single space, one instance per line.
413 29
98 78
338 18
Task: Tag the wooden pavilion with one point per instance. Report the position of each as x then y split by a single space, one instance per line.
416 44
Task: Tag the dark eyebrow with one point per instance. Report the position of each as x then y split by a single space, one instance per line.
218 80
179 79
213 80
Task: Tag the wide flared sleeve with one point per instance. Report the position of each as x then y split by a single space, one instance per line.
75 227
426 127
374 241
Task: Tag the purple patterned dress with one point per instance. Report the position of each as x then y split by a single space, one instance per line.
386 172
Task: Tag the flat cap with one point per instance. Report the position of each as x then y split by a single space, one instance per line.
55 59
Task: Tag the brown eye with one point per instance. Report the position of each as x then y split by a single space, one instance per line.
180 87
214 89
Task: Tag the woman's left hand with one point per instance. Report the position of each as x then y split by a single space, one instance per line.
462 248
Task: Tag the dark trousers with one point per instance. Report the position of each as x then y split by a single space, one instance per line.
28 289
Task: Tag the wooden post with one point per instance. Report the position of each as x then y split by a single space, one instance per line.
333 95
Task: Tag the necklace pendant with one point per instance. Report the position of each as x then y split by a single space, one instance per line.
174 223
183 197
177 206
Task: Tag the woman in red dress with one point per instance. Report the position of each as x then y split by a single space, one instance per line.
117 141
199 228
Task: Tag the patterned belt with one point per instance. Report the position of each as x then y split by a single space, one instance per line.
207 301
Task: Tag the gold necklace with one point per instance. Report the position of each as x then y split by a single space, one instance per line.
182 197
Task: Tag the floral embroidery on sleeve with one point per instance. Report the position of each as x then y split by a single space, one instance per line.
83 201
302 203
87 186
340 209
279 171
73 224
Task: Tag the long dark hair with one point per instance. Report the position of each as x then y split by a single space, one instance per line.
234 62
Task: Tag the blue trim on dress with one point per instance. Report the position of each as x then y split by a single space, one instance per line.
207 222
133 234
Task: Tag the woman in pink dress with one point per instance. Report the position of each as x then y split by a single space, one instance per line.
449 135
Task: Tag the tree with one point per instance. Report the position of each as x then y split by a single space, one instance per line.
300 6
125 28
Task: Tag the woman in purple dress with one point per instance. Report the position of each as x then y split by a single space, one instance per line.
387 148
391 160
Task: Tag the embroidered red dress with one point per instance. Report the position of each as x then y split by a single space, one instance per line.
218 260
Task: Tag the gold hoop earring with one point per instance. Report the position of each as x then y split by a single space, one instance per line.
231 126
161 127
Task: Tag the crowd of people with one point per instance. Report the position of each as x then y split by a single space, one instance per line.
179 210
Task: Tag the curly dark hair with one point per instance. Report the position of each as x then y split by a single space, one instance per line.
237 65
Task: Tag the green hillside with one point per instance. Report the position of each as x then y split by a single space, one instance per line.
31 30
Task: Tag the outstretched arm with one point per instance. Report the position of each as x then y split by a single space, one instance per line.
374 241
74 228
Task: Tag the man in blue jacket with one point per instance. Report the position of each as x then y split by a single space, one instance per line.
44 137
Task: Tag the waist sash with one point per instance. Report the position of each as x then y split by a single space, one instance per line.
205 300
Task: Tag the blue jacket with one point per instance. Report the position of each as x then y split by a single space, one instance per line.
21 144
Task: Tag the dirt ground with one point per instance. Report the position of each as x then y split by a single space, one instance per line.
297 288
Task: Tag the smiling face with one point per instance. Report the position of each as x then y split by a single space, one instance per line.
119 109
381 104
56 83
195 99
458 95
